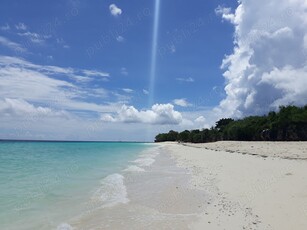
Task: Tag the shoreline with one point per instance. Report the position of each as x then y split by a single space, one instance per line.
207 186
158 197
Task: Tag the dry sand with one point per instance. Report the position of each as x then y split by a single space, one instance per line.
250 185
285 150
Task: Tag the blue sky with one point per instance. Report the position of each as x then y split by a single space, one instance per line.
85 65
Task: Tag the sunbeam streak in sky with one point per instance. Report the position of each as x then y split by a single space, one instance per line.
154 53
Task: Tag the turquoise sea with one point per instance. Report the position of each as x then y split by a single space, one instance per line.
43 185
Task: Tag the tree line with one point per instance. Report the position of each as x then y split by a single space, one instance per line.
288 124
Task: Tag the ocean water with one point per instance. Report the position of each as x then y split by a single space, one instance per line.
45 185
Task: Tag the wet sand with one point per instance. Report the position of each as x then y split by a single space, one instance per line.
159 198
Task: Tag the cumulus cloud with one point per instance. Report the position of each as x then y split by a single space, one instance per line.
182 102
201 122
268 66
225 13
161 114
200 119
114 10
146 92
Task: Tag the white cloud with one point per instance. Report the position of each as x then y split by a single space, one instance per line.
188 79
201 122
146 92
12 45
182 102
52 86
225 13
114 10
38 99
95 73
127 90
5 27
19 107
162 114
120 38
123 98
35 37
200 119
21 26
108 118
100 93
268 66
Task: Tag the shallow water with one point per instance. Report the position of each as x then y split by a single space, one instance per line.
44 185
160 197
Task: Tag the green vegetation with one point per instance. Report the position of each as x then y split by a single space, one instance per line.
289 124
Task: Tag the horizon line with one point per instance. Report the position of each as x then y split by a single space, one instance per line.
35 140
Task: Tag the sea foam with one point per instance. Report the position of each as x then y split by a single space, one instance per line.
64 226
112 191
144 161
147 158
134 168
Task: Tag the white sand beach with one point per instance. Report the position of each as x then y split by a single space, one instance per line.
216 186
251 185
222 185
